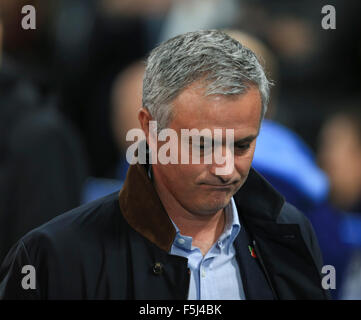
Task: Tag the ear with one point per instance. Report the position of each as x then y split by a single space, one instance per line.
144 117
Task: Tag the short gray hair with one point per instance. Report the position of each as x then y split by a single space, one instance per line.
225 65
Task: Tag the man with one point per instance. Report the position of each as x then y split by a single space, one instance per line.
42 163
177 230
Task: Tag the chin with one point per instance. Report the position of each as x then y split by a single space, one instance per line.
212 206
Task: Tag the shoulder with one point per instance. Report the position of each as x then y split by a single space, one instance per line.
70 247
291 215
84 224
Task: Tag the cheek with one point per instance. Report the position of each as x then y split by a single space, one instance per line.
243 162
184 176
242 167
189 173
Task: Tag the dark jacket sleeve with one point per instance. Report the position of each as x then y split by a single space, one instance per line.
12 275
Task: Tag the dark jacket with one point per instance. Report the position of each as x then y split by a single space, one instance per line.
118 248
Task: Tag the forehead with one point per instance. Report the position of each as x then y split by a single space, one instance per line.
193 109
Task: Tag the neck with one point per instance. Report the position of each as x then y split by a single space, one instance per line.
204 229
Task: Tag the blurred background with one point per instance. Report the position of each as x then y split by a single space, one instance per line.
71 88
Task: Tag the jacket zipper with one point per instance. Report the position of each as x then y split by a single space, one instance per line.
259 256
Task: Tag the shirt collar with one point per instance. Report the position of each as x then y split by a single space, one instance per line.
233 225
226 239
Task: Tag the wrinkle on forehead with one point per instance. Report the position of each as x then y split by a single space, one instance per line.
195 110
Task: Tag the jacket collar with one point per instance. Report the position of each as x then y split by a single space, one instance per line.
143 210
257 199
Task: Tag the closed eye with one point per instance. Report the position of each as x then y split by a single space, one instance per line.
239 147
243 147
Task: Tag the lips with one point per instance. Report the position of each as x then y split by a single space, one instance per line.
218 186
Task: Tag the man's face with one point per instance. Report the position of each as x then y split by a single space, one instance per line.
197 187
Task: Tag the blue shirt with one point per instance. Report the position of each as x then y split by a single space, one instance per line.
216 275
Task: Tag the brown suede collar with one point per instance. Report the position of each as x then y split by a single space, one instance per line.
143 210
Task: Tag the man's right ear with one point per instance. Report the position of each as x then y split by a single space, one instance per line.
144 117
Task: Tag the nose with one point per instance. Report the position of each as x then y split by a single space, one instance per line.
223 166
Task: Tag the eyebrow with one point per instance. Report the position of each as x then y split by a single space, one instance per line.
247 139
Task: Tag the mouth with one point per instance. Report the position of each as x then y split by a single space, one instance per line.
218 187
